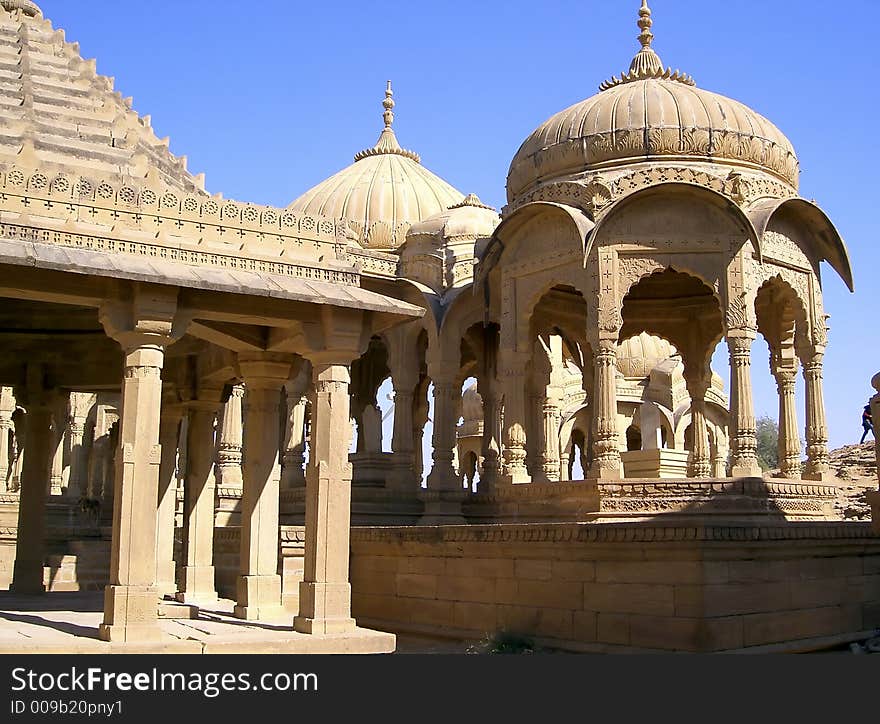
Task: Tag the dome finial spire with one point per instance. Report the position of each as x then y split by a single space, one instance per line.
388 104
387 142
646 64
646 37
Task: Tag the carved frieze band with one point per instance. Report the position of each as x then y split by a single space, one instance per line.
596 193
181 255
145 204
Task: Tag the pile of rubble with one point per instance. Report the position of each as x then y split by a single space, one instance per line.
856 469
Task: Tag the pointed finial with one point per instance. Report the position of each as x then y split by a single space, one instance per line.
647 63
387 142
388 104
645 23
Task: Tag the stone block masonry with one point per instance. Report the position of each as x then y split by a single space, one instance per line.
624 587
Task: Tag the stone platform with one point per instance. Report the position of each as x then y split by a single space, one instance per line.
67 623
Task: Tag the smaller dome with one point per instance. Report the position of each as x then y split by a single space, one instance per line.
382 193
465 221
638 355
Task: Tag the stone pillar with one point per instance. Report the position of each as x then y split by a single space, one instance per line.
551 417
491 445
5 453
607 464
447 399
788 441
513 381
259 585
817 467
402 474
143 327
59 442
130 608
169 435
325 593
292 472
701 458
743 437
229 449
30 544
197 579
77 480
17 452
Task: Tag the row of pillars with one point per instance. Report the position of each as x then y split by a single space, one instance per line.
142 568
606 460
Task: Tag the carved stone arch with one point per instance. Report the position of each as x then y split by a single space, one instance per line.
820 234
417 293
658 268
708 196
506 234
799 292
464 311
531 291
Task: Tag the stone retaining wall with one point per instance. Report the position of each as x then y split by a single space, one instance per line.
624 586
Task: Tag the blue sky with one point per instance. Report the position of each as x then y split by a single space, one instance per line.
268 98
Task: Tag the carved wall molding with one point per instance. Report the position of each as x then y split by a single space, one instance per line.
598 192
193 257
139 206
647 532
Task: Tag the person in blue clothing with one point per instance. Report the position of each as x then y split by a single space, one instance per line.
867 423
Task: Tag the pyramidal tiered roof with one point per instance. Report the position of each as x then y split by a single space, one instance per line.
56 112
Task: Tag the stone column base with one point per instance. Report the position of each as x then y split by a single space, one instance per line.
442 507
825 476
259 597
605 472
514 477
746 471
198 585
130 614
317 604
166 578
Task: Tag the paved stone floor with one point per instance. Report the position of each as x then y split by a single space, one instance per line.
68 623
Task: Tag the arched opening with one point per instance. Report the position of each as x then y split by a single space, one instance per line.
683 310
782 325
555 386
577 465
633 438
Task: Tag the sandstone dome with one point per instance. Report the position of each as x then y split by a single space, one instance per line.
57 114
468 220
638 355
382 193
650 114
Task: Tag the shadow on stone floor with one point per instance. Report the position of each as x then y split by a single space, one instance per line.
88 602
89 632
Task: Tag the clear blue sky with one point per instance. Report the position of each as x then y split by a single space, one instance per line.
268 98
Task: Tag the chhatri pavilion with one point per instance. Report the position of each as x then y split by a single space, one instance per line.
190 411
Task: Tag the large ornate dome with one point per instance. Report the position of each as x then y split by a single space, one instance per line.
650 114
382 193
58 114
